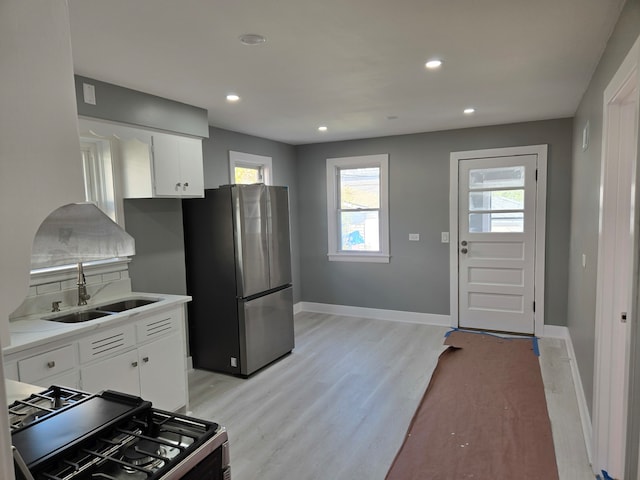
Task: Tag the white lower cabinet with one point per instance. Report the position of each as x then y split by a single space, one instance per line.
162 372
11 371
144 355
145 358
56 366
119 373
155 372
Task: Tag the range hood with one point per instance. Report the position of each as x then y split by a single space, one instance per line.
76 233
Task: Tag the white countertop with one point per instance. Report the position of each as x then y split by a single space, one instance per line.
19 391
32 330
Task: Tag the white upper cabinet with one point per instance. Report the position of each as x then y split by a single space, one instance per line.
153 164
177 166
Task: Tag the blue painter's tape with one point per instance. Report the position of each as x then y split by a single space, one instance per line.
450 332
605 476
536 347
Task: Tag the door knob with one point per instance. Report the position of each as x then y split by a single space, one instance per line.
463 243
463 250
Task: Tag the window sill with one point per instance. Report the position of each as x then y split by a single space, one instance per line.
359 257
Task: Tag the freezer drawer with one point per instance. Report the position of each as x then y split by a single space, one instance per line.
266 329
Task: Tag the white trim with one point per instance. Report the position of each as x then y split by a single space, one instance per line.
376 313
362 257
241 158
541 202
297 308
555 331
378 160
612 339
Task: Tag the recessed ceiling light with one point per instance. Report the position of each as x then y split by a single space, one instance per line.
432 64
252 39
232 97
322 128
469 111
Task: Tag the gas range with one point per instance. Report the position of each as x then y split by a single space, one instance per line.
65 434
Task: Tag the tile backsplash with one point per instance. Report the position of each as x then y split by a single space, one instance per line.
105 280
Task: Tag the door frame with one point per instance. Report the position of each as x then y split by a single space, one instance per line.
540 219
613 350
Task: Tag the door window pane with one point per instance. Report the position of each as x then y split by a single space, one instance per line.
360 230
496 222
359 188
499 177
497 200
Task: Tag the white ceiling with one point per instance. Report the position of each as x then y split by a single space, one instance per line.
348 64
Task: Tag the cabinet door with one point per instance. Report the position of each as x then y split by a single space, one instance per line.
69 379
191 170
166 166
118 373
163 372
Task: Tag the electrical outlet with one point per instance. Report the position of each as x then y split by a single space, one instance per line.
445 237
584 260
234 362
414 237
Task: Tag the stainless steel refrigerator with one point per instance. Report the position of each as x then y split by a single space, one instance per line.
238 265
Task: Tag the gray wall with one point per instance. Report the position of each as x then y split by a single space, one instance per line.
585 212
585 196
156 225
120 104
417 278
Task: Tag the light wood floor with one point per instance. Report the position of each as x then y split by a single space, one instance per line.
339 406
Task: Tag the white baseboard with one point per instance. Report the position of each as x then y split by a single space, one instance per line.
297 307
555 331
375 313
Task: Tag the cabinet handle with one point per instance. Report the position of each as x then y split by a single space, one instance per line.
51 364
145 359
134 364
178 185
186 185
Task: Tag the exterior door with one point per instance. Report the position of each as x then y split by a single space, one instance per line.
496 243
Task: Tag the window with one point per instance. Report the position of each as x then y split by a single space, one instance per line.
496 199
358 208
99 182
249 168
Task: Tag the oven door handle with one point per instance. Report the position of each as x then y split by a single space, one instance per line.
20 465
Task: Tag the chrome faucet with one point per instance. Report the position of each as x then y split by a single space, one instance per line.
83 296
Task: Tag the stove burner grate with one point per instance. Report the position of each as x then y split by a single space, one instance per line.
39 405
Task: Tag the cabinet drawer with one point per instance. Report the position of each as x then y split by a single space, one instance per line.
69 379
106 343
11 371
157 325
46 364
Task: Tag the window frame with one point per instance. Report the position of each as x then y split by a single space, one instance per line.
334 165
250 160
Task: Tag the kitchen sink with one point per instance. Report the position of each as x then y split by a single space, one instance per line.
123 305
102 311
77 317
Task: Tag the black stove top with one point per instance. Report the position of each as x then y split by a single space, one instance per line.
109 436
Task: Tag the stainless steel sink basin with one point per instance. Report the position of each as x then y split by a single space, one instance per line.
123 305
102 311
77 317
